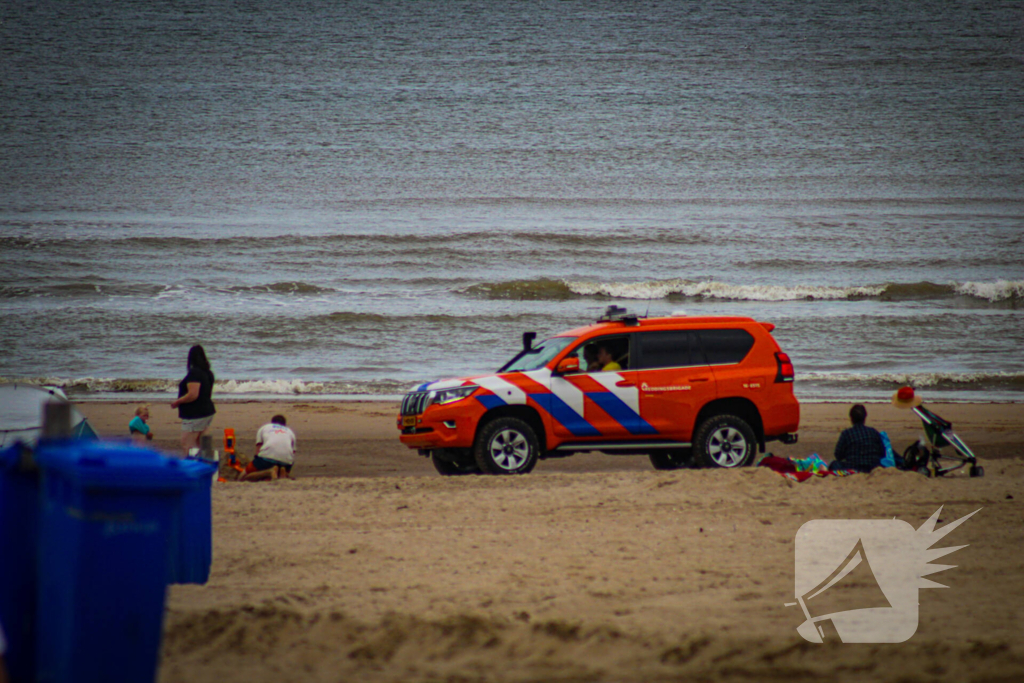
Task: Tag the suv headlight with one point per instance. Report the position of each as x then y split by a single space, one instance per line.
442 396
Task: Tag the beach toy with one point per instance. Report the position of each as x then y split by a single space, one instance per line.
229 444
229 450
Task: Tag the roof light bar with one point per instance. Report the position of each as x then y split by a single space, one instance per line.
618 314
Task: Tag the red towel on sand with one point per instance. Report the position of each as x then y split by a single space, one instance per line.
785 467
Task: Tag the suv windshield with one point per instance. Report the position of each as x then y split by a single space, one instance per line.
538 356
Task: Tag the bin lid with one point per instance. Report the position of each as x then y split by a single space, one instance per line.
95 464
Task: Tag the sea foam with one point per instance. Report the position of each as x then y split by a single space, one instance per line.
259 387
274 387
711 289
918 379
1000 290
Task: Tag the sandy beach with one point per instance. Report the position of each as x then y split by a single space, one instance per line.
369 566
344 200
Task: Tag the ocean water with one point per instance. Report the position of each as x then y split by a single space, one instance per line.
351 198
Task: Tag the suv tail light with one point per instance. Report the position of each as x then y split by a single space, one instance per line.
785 372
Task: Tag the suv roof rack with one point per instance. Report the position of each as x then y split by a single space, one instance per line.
618 314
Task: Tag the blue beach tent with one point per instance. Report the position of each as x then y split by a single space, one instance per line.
21 414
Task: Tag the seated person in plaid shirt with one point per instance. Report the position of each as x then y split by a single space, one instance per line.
859 447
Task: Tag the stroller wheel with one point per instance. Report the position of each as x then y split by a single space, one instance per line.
977 471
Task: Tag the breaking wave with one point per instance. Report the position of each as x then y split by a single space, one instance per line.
551 289
259 387
1000 290
540 289
720 290
84 386
920 380
285 288
100 287
379 319
679 288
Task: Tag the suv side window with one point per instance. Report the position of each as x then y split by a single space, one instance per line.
618 347
669 349
725 347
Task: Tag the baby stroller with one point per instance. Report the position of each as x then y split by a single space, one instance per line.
930 461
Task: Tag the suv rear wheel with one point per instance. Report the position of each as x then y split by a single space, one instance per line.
725 441
506 445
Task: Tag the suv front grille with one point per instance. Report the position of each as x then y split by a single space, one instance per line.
415 402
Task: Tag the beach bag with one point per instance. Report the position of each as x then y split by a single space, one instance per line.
915 457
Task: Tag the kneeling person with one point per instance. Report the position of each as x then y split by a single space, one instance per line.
275 452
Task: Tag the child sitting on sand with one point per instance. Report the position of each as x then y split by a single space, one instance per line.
138 428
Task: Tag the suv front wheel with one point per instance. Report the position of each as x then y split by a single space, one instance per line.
449 464
506 445
725 441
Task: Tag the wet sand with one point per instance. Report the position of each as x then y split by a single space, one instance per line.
369 566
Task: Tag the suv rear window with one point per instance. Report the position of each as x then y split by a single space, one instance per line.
724 347
669 349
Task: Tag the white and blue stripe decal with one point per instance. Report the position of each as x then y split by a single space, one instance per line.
621 413
569 418
573 421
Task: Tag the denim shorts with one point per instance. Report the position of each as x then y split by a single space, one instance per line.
198 424
260 464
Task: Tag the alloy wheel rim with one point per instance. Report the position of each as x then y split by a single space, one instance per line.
727 446
509 449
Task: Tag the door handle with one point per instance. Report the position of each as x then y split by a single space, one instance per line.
625 383
699 379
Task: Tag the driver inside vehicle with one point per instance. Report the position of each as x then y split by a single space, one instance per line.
590 358
605 359
602 355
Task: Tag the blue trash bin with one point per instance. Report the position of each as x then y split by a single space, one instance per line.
19 514
110 523
193 544
192 533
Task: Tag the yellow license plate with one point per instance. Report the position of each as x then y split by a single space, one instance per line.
408 420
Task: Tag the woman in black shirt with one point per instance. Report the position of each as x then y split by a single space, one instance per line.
195 399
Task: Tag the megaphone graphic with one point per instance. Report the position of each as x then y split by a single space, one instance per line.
859 578
851 586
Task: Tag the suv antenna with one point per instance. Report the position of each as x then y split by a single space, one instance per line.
648 310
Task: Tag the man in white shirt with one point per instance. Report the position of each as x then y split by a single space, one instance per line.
275 452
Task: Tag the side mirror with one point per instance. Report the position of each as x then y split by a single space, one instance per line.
567 365
528 338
